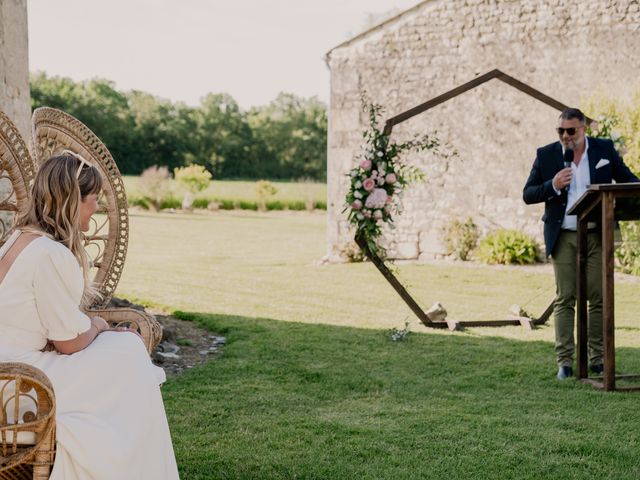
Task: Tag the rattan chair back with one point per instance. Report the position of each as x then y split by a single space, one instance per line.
17 170
55 131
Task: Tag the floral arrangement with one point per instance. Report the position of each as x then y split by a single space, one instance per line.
603 127
379 178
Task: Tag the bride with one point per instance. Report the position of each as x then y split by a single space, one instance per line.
110 419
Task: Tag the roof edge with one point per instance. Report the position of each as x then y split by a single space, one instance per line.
373 29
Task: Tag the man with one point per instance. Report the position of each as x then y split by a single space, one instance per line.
595 160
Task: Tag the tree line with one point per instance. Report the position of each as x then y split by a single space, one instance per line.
285 139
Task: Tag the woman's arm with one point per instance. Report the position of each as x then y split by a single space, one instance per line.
83 340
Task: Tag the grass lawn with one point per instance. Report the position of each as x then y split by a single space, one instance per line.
237 190
300 392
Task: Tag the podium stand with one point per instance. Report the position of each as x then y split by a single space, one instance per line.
603 203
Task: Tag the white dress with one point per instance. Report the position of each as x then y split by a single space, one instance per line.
110 419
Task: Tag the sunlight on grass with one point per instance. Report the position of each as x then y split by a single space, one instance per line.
267 265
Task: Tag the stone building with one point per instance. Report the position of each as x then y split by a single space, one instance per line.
15 99
567 49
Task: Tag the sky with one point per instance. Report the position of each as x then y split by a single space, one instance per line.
183 49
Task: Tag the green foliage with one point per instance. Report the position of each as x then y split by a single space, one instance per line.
170 202
247 205
298 205
508 247
201 203
292 132
275 205
226 204
194 177
461 239
628 253
283 140
265 190
619 120
154 186
400 334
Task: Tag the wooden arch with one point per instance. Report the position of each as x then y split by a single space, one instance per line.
379 263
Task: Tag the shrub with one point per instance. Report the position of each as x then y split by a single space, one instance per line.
226 204
200 203
352 253
628 253
321 205
154 185
170 202
194 179
135 201
265 190
461 239
275 205
296 205
508 247
247 205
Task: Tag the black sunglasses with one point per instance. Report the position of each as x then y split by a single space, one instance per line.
570 130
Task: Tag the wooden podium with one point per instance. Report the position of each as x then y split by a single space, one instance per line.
603 203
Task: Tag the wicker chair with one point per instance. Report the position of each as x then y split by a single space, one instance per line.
27 400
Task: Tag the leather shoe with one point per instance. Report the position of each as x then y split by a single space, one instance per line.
598 368
564 373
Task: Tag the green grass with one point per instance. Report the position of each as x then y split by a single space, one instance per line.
288 400
300 392
246 190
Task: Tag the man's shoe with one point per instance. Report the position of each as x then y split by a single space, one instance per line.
564 373
598 368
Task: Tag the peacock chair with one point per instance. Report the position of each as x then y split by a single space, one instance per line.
27 399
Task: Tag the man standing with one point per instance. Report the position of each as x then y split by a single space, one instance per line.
559 185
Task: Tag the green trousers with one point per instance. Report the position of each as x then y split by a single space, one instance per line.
565 268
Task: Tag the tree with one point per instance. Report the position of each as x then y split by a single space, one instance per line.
294 131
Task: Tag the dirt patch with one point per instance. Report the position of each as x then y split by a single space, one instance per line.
184 345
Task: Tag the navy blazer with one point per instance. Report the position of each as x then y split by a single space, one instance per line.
549 161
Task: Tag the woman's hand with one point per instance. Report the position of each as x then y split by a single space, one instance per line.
100 324
127 329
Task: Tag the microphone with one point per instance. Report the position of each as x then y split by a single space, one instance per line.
568 158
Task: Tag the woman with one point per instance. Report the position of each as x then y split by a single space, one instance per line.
110 420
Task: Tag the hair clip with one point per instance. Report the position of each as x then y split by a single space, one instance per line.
82 160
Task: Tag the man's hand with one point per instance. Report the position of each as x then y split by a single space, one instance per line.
562 178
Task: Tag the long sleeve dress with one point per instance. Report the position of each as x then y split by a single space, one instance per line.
110 419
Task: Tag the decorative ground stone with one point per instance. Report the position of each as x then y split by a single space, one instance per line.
437 313
184 344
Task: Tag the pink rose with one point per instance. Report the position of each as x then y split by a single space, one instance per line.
368 184
356 205
391 178
365 164
389 200
367 214
376 199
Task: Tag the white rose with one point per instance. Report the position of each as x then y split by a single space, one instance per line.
357 194
359 216
358 184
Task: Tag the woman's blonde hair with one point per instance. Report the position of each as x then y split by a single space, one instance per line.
60 185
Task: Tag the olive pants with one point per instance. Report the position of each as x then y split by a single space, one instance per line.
565 268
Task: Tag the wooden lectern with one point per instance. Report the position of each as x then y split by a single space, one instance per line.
604 203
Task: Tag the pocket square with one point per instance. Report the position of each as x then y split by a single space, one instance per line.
602 163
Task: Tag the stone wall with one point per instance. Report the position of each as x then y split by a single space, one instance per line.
15 98
567 49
